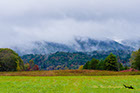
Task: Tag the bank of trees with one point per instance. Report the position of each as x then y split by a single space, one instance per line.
66 60
10 61
110 63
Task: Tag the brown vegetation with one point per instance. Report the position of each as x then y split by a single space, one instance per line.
129 70
68 73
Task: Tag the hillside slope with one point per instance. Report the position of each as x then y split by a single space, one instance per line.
78 45
66 60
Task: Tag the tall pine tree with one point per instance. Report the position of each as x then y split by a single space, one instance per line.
111 63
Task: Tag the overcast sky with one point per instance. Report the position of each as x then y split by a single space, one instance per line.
22 21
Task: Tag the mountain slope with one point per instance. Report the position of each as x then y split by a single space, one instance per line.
88 45
42 47
66 60
132 43
79 45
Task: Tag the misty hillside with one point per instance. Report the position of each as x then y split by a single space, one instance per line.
132 43
89 45
42 47
80 45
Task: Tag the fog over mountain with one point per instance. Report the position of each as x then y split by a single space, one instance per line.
132 43
80 44
60 21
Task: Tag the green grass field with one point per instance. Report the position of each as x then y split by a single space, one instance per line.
69 84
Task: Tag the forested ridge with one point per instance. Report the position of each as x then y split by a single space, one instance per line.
66 60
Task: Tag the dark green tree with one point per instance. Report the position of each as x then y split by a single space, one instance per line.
93 64
86 65
100 65
111 63
126 67
135 59
10 61
120 67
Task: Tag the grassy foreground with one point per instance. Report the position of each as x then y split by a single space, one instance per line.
69 84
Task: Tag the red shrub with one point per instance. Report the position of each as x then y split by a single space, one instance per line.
35 67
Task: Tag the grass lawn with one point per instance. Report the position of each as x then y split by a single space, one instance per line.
69 84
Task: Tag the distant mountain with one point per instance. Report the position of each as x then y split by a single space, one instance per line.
135 43
88 45
80 44
42 47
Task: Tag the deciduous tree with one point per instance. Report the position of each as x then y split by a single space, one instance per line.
81 67
10 60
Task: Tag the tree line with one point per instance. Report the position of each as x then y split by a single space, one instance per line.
110 63
11 61
67 60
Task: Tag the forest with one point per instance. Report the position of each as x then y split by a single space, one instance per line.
96 60
66 60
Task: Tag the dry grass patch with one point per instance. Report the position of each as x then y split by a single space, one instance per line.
68 73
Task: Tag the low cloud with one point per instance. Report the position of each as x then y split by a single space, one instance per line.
60 21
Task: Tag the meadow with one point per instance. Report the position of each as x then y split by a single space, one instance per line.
69 84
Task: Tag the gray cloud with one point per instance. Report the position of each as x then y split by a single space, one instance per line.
61 21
